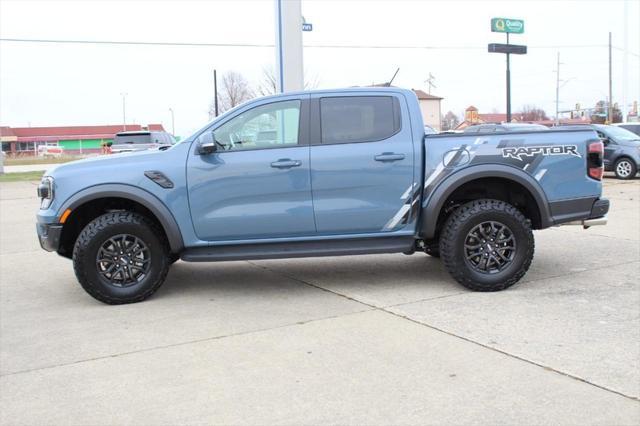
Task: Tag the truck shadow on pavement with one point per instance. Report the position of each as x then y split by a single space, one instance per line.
250 278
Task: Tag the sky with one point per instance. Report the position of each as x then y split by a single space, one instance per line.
46 84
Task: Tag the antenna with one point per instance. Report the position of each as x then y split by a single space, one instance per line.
392 78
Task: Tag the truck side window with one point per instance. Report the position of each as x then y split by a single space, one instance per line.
353 119
267 126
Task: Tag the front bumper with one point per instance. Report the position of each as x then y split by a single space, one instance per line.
49 235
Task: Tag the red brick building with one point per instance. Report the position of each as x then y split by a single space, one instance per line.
18 141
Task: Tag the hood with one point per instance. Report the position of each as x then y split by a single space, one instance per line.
113 161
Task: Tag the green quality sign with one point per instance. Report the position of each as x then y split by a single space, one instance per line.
504 25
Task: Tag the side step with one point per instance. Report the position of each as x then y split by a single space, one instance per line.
316 248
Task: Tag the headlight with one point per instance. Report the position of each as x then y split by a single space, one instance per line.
45 192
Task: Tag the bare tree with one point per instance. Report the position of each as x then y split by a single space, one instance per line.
267 84
233 91
450 121
532 113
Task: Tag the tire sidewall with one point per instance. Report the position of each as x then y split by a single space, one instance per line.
634 169
97 284
456 256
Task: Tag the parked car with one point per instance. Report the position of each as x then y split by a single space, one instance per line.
632 127
504 127
52 151
621 149
141 141
324 173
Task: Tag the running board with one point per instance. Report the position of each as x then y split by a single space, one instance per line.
343 247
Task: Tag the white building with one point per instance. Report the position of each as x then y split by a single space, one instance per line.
430 107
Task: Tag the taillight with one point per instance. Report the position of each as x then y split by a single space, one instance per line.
595 152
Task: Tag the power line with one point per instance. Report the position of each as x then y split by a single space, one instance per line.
267 45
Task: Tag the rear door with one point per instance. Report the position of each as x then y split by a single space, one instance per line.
257 184
362 162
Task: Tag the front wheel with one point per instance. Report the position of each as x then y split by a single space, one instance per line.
121 257
487 245
625 168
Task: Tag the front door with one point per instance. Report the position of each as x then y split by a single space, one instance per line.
362 163
256 185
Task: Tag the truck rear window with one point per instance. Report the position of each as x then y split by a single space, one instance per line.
353 119
132 138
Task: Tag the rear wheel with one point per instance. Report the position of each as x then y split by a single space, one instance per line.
121 257
487 245
625 168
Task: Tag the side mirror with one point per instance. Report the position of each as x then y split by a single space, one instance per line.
207 145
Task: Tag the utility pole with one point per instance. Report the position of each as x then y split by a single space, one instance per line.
610 115
625 62
173 123
124 112
558 91
215 92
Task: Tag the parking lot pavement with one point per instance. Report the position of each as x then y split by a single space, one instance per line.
364 339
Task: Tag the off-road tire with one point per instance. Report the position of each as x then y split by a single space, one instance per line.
631 166
101 229
462 221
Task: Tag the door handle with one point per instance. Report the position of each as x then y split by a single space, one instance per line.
286 163
389 156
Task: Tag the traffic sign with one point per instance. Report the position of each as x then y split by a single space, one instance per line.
505 25
515 49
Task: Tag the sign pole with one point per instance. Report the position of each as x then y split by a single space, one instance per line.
508 84
507 26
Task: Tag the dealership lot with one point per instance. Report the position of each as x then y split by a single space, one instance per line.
366 339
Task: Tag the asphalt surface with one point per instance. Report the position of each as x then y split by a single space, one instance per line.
381 339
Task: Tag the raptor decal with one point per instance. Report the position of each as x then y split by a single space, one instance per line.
531 151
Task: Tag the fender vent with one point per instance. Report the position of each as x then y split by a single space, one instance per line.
159 178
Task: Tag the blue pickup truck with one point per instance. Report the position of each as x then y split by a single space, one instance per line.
322 173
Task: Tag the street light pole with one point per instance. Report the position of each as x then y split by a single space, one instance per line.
124 111
173 123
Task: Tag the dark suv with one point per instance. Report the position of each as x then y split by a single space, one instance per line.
141 141
621 150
